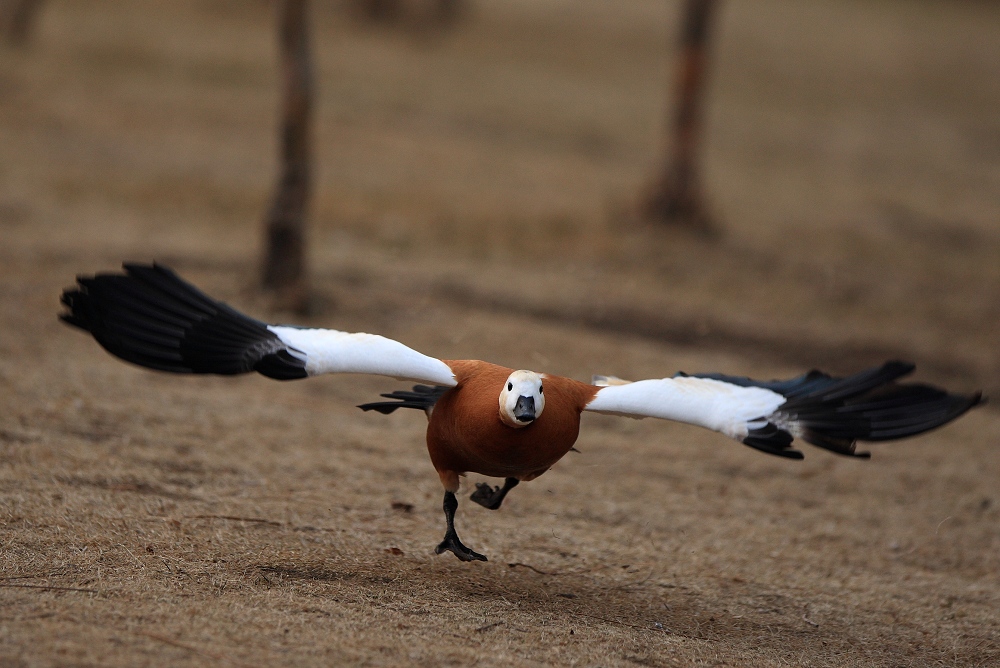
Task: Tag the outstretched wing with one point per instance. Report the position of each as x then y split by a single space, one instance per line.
151 317
832 413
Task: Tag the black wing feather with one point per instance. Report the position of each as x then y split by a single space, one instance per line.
422 397
836 413
151 317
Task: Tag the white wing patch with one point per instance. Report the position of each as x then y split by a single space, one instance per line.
714 404
330 351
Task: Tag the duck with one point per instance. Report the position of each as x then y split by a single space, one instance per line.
484 418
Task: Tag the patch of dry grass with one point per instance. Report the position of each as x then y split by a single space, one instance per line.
472 201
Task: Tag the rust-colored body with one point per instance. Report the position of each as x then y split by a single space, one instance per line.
466 434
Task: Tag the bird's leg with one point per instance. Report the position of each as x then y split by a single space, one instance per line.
451 541
491 497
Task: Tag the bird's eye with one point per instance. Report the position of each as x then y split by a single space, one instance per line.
540 389
510 386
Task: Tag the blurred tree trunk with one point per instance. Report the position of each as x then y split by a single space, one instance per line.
17 19
676 196
284 264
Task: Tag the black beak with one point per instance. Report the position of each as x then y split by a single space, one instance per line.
524 409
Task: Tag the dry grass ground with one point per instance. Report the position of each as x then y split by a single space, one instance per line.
473 201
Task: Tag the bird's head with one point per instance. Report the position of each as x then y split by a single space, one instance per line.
521 399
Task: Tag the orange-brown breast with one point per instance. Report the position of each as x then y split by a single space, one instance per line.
465 433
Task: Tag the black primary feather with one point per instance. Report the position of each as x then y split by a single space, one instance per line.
422 396
835 413
151 317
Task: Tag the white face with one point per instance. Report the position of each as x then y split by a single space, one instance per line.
521 399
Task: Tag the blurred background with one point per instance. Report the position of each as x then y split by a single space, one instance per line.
850 157
481 178
850 160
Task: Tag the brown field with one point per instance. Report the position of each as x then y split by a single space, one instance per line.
473 199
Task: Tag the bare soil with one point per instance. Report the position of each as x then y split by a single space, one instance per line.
474 199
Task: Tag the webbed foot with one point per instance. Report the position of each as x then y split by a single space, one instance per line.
452 544
491 497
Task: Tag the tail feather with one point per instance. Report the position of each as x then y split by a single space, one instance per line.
151 317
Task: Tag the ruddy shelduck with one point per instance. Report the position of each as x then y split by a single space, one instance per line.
485 418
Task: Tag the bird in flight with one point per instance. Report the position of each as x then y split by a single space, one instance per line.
485 418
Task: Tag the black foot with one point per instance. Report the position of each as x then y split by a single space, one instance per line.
452 544
491 497
487 496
